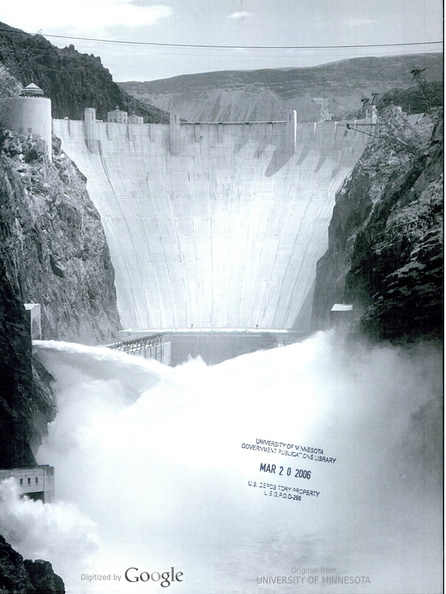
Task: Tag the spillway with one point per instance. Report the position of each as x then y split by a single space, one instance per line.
213 225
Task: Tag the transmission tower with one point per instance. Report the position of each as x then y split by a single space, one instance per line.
429 93
397 126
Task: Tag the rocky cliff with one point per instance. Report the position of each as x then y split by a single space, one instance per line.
70 79
19 576
325 92
53 242
17 402
385 253
53 252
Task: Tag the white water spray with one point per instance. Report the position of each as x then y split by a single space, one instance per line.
153 457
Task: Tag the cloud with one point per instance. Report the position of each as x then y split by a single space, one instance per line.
85 17
141 2
240 15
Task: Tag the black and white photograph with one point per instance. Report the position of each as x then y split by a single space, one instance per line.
221 308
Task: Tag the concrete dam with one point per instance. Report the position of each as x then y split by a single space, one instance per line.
213 225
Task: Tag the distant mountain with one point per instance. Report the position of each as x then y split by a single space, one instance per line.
72 80
317 93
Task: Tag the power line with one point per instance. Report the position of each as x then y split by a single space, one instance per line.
253 47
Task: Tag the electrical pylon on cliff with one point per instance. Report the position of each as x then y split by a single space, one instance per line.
391 123
430 95
396 125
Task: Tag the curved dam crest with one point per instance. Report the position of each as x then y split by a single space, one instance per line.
213 225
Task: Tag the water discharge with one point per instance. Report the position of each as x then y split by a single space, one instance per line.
151 472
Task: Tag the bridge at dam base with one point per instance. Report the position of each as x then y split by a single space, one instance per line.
174 347
213 225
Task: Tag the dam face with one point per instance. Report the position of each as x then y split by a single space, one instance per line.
213 225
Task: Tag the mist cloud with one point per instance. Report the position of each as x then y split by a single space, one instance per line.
154 457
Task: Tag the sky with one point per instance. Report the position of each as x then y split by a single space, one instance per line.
264 33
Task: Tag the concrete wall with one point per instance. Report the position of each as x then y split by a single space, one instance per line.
34 311
213 225
32 115
213 346
36 483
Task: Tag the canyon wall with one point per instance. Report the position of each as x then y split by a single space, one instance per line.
72 80
385 253
53 242
52 252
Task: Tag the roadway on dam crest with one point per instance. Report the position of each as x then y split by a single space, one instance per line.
226 232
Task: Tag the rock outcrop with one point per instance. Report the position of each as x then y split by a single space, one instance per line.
17 402
19 576
53 252
385 253
53 243
73 81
